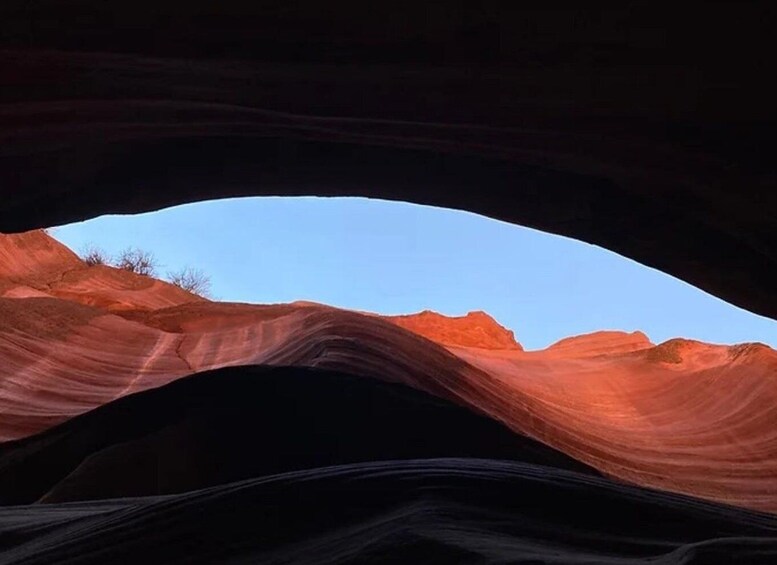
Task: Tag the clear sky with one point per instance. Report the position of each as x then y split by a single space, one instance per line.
390 257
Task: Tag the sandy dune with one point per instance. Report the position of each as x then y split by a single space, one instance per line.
682 416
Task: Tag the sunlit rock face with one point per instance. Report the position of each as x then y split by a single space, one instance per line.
475 329
33 264
683 416
600 343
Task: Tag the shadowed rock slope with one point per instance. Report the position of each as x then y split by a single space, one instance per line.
416 511
335 469
244 422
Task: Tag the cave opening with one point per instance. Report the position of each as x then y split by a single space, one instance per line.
398 258
624 369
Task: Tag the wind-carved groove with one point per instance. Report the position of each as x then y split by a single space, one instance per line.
180 355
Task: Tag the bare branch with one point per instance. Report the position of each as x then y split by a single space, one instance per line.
192 280
137 261
93 255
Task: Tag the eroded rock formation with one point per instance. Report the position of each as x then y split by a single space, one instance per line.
682 416
646 130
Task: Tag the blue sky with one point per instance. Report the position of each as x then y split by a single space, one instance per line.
391 257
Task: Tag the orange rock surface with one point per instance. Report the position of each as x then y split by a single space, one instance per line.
683 416
476 329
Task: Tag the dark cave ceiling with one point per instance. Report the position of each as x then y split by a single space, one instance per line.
648 132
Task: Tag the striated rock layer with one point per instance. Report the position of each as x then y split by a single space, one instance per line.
682 416
410 511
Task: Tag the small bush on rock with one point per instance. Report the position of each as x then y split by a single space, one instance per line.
192 280
93 255
137 261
